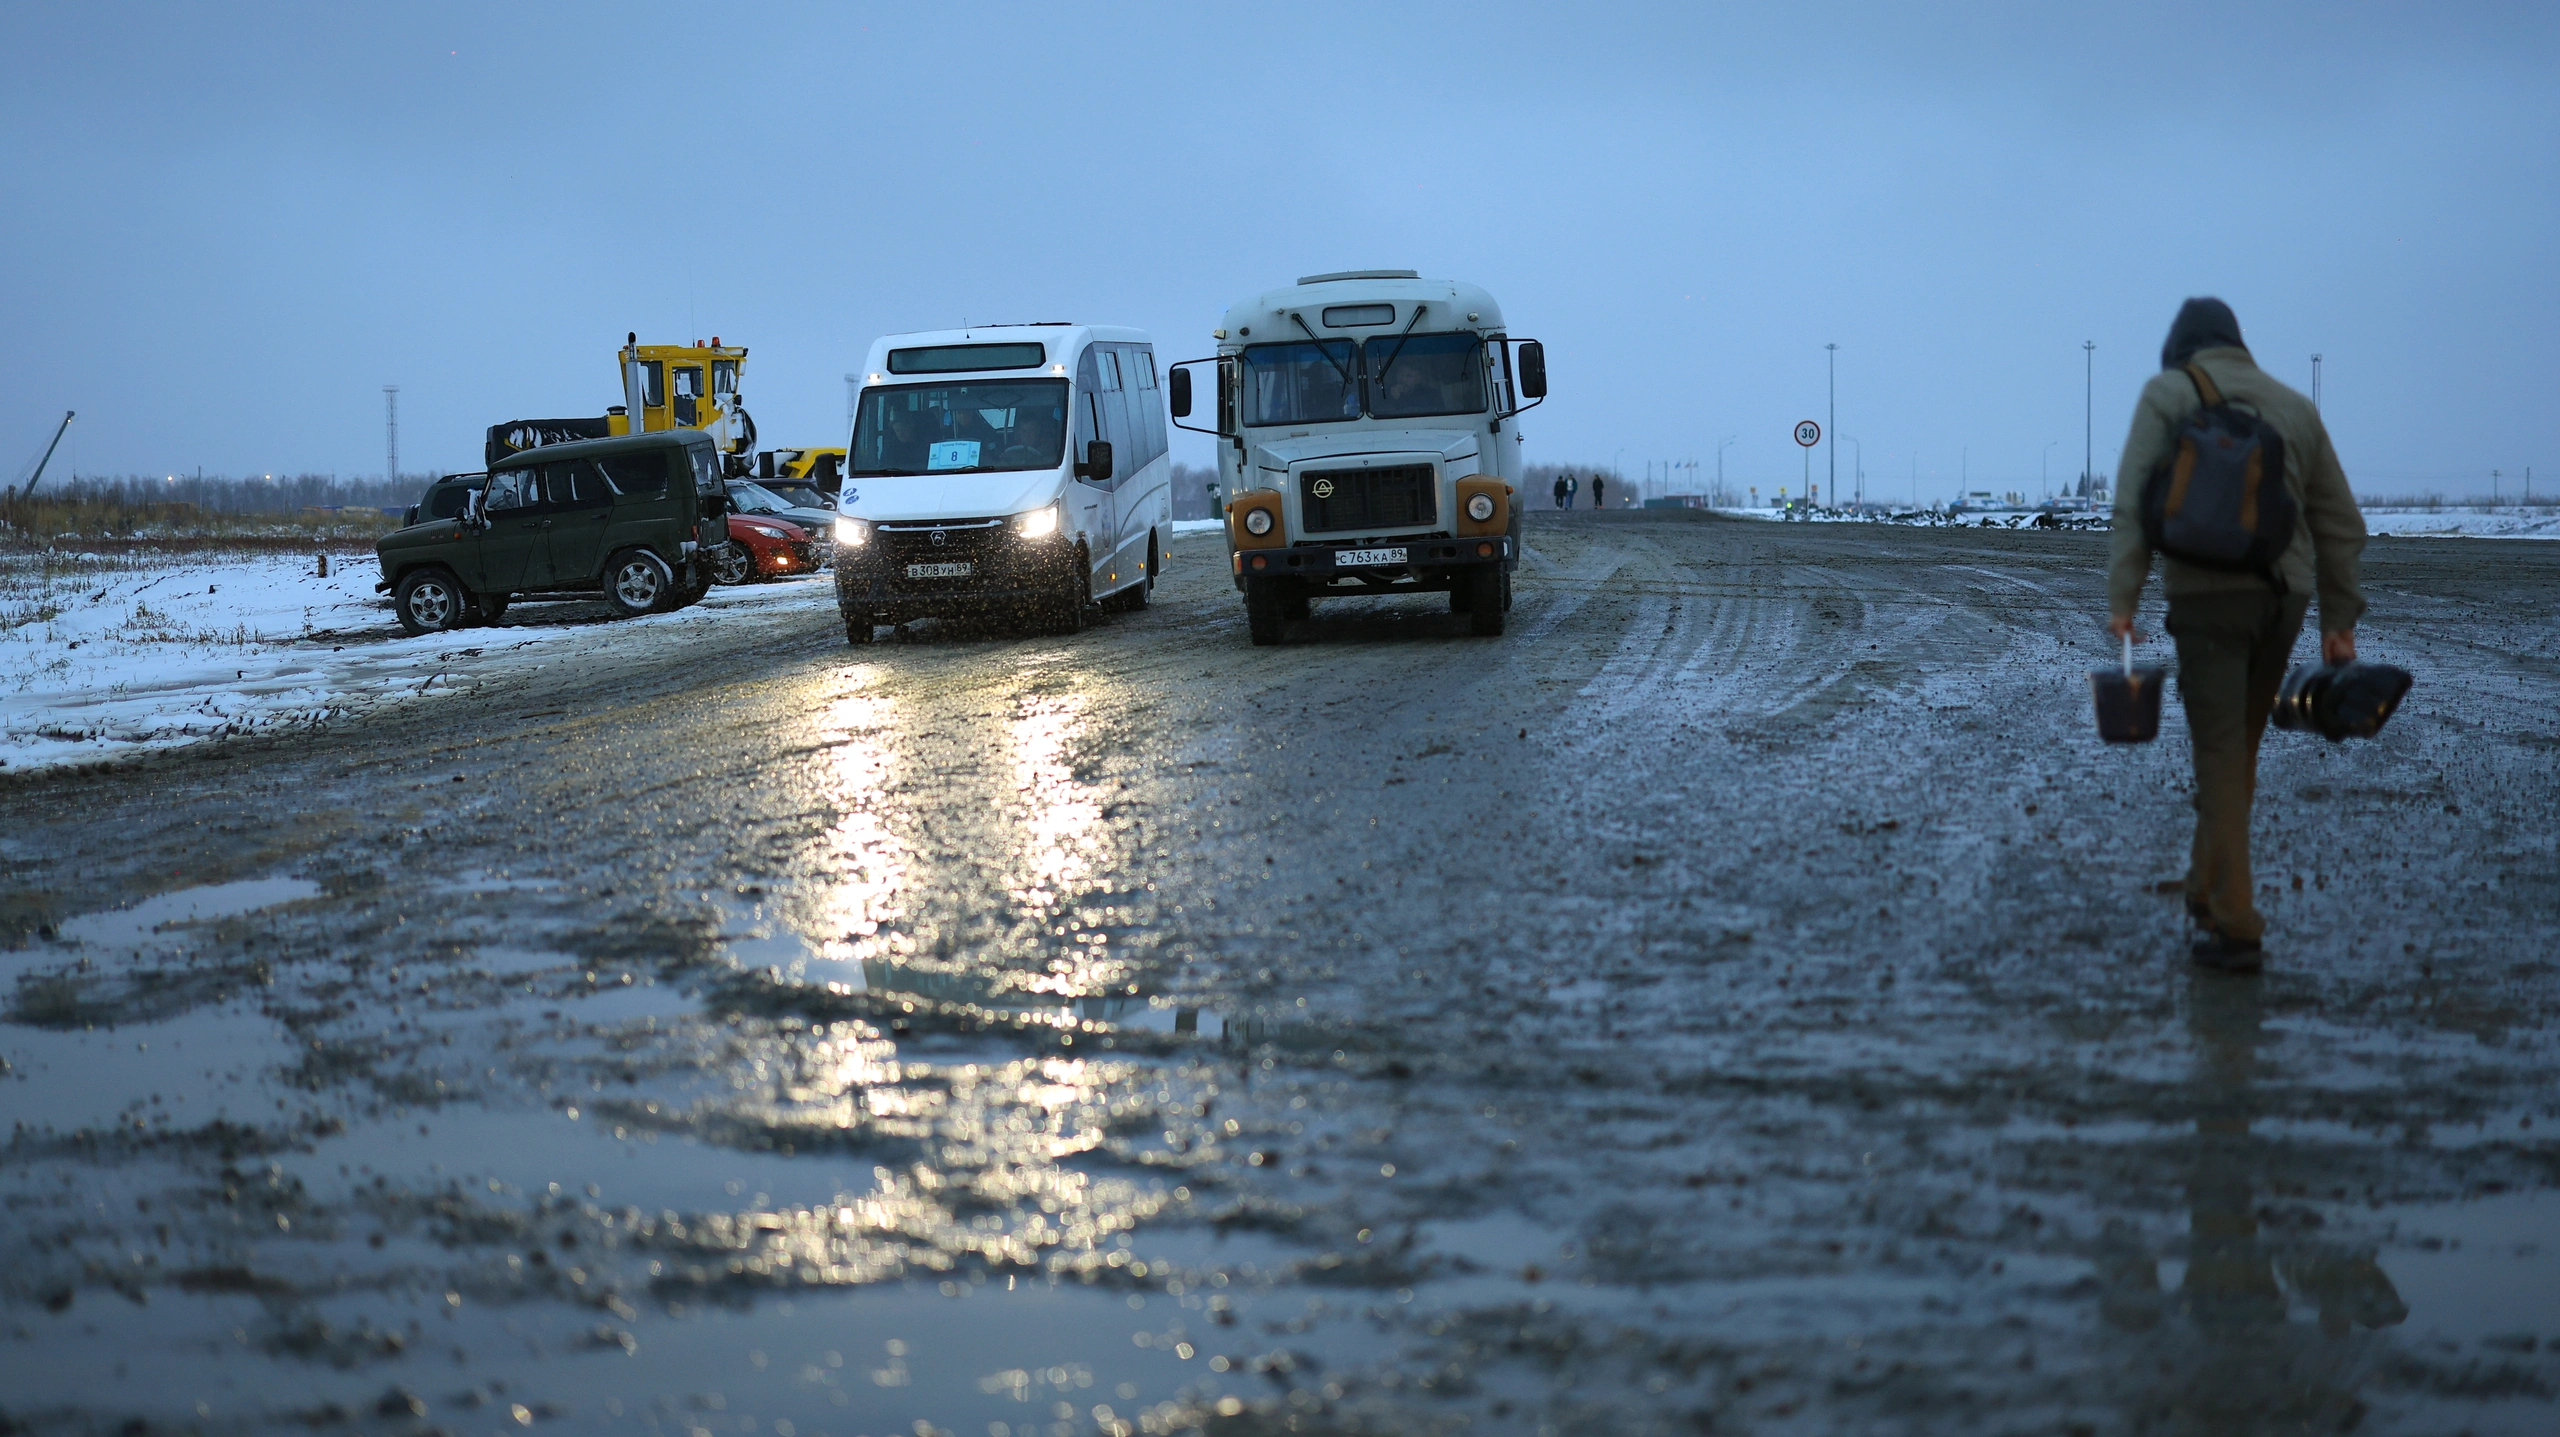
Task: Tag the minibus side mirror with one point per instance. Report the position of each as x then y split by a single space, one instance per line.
1097 462
1181 394
1533 370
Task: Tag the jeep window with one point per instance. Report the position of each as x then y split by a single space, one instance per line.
445 501
637 476
578 484
1420 374
706 467
514 489
964 428
1301 383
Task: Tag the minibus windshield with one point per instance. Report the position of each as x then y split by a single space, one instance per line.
1306 383
963 428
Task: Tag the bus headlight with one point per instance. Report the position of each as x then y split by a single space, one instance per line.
1040 523
1257 521
1479 507
852 533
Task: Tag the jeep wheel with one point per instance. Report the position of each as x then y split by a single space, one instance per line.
857 628
1484 600
1266 609
635 582
429 601
690 586
732 564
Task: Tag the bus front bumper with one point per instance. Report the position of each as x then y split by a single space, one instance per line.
1429 562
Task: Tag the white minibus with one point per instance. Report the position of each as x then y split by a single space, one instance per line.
1003 471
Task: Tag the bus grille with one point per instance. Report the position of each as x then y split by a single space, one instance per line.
1367 499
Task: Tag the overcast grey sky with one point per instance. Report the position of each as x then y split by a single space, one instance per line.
229 226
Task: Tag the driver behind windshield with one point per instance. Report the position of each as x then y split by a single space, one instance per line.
1035 440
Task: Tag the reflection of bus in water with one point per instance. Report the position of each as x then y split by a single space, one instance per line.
1007 469
1367 443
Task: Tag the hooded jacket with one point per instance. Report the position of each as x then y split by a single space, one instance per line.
2327 544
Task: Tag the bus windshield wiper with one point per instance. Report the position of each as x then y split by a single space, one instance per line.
1338 366
1396 353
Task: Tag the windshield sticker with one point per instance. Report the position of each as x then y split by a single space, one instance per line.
952 454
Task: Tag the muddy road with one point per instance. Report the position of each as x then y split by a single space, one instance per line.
1744 998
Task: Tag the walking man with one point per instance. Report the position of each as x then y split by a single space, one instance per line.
1562 489
1599 492
2234 630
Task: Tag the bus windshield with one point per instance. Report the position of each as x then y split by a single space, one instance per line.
1425 374
964 428
1313 382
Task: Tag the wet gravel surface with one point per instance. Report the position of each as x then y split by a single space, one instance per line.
1746 997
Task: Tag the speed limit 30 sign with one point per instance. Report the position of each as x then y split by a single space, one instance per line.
1808 434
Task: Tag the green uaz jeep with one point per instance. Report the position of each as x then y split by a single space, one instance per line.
638 519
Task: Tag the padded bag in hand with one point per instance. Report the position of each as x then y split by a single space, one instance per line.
2219 501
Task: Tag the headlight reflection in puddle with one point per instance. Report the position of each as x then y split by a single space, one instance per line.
1060 813
864 864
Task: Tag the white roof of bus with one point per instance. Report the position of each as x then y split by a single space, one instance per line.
1311 296
1063 341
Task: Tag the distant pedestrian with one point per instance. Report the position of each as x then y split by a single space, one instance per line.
1563 489
1599 492
2234 630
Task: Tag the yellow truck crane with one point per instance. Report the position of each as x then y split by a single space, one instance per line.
669 386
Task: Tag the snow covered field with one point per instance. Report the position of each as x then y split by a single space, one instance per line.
101 656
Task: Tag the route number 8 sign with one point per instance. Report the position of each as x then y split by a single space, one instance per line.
1808 434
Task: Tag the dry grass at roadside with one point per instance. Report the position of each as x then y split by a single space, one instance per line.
108 526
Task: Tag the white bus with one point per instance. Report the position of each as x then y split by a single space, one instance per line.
1003 470
1367 443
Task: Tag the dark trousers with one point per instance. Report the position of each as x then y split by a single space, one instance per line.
2232 650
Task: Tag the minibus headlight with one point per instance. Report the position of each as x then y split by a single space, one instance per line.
1479 507
1257 521
852 533
1040 523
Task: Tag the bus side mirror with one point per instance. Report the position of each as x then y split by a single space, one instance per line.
1097 462
1533 369
1181 394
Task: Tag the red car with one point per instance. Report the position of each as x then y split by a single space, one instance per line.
764 547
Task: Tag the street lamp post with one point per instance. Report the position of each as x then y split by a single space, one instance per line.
2089 415
1832 450
2315 381
1857 470
2044 467
1727 444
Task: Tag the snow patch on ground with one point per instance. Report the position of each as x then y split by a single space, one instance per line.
2510 522
1198 526
106 656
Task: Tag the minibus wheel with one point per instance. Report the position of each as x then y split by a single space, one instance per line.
1068 613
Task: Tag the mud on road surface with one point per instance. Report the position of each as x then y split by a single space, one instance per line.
1746 997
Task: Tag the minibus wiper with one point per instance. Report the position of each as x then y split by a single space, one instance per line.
1398 352
1338 366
